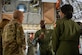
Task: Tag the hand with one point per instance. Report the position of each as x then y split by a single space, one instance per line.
41 36
54 25
24 47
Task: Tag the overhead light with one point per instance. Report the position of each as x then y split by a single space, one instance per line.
79 0
51 1
21 10
24 0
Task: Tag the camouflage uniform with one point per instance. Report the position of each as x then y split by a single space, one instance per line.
45 47
30 47
13 39
2 24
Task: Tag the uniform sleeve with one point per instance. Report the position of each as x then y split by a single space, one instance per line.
4 37
36 38
20 36
36 35
55 37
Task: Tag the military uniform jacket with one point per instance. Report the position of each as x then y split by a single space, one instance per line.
13 39
66 37
44 43
30 47
2 24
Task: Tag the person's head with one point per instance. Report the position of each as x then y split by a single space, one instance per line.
18 15
6 17
66 11
42 24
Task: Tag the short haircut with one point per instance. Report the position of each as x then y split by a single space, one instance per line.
17 14
42 22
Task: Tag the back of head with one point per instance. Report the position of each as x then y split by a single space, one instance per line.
6 16
17 14
4 22
67 9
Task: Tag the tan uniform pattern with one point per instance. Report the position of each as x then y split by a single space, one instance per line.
13 39
2 24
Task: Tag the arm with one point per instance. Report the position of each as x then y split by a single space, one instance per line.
20 36
36 38
55 37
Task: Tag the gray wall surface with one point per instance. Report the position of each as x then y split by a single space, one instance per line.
31 16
